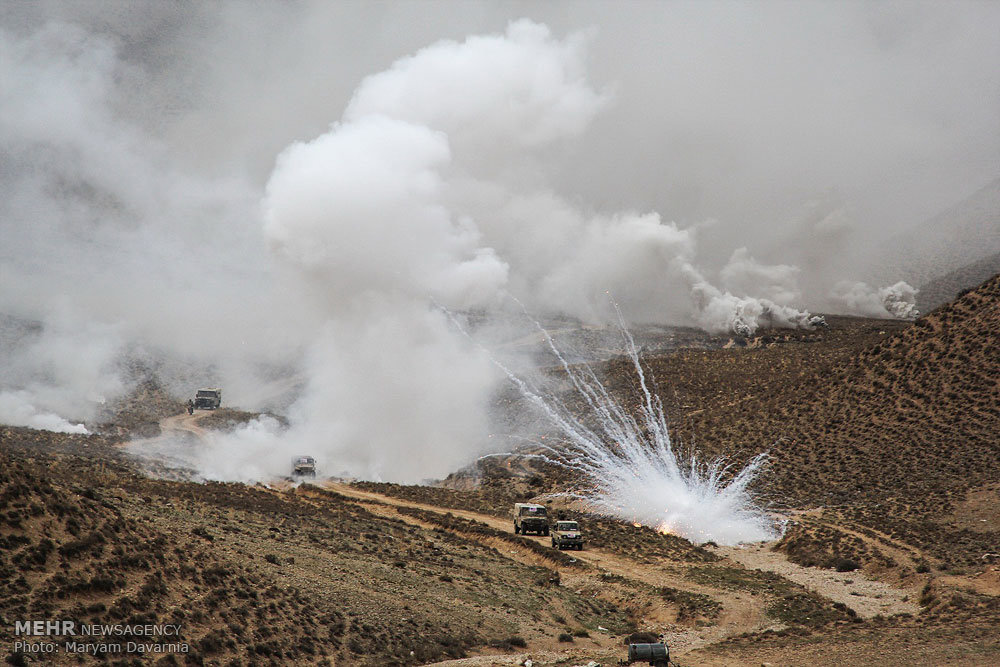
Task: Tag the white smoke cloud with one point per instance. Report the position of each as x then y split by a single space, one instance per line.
361 207
444 180
109 246
859 298
745 275
59 373
18 409
385 214
900 300
358 213
509 92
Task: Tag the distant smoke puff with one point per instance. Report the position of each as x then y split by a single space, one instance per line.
900 300
859 298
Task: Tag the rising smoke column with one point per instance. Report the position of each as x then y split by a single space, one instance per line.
357 212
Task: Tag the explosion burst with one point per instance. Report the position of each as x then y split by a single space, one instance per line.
633 471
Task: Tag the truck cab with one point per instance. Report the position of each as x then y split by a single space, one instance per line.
208 399
530 518
567 534
304 466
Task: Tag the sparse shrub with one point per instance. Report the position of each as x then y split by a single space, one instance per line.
927 596
202 533
272 559
923 567
76 547
565 637
581 632
509 644
211 643
846 565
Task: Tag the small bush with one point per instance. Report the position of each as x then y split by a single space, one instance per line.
202 533
846 565
509 644
565 637
272 559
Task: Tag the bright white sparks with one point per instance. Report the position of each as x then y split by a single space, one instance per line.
634 471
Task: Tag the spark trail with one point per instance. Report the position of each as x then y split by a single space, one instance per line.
632 468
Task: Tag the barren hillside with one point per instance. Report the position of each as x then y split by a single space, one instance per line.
884 456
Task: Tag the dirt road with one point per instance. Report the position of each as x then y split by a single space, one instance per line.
184 424
741 611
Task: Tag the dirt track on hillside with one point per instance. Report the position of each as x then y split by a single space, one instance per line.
742 612
184 423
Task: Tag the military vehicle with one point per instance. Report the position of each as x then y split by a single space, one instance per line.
529 518
304 466
657 655
208 399
567 535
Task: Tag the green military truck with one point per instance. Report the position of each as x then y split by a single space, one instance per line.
208 399
567 535
530 518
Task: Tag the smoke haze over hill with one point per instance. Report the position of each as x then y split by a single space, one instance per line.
246 188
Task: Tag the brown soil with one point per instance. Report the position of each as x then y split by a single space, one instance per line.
885 456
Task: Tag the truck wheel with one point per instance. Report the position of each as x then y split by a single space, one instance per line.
579 547
516 529
545 531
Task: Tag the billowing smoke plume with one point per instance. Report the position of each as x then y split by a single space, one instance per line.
442 183
899 300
